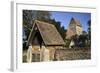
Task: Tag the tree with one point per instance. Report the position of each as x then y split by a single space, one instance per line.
42 15
89 32
82 40
89 29
30 15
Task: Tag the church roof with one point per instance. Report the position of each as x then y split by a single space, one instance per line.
76 21
48 32
70 32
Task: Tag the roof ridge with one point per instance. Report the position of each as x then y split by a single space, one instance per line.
44 22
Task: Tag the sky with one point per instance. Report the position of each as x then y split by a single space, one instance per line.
65 17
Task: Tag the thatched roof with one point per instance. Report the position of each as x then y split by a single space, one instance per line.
48 32
75 21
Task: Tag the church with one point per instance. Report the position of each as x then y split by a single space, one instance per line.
75 28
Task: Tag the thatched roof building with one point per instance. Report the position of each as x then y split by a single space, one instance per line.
46 34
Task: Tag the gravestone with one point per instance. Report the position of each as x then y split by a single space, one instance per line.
44 54
29 54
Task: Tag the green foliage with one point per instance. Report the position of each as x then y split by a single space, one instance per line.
89 29
30 15
28 19
89 32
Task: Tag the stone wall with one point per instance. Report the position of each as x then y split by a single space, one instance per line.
74 54
61 54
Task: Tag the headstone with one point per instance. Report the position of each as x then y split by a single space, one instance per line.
44 54
29 54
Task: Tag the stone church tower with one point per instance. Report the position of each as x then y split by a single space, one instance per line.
74 28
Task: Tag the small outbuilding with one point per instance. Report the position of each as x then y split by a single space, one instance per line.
44 39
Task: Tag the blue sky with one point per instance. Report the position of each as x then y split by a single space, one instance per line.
65 17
